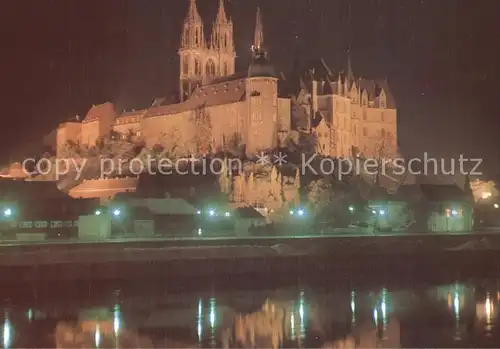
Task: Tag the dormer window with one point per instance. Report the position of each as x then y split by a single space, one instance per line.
364 99
382 101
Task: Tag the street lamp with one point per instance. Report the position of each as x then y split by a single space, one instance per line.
7 212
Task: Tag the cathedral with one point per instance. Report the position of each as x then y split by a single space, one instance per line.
255 109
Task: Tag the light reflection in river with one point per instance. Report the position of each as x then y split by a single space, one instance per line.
307 315
7 332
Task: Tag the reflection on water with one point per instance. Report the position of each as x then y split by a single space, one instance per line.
456 315
7 332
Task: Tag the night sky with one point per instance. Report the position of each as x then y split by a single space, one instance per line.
440 57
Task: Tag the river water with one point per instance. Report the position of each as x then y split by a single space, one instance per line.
189 314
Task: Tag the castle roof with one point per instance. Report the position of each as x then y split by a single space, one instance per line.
218 93
131 116
261 66
97 112
305 71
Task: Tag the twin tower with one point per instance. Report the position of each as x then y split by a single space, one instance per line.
202 61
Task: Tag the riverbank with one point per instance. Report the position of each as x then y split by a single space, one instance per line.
233 256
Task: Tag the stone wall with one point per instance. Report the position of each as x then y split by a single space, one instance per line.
90 133
263 114
69 131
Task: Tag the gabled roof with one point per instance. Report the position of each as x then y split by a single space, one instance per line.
100 111
374 88
248 212
391 101
438 192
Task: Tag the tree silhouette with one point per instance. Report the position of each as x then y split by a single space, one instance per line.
203 130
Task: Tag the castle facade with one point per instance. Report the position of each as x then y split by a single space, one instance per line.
221 108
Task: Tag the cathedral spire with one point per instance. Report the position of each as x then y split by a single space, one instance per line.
258 40
221 13
350 74
193 15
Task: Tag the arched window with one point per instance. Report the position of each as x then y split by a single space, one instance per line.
196 37
197 66
382 101
185 37
226 70
185 65
225 41
210 68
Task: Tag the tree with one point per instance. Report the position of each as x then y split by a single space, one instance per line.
384 151
170 143
308 142
235 146
483 190
320 193
203 131
70 149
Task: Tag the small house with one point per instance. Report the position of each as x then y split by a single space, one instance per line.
171 216
448 208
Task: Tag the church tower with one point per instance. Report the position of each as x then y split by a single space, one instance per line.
201 62
193 49
222 44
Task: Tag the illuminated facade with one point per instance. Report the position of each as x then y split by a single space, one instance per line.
219 108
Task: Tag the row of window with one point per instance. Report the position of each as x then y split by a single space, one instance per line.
382 132
209 67
47 224
365 115
220 40
132 119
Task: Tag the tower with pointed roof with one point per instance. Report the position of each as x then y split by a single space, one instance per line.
201 61
222 44
258 40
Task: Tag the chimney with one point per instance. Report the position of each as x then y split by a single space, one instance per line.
314 104
314 96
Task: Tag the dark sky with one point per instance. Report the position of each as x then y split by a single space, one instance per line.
441 59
